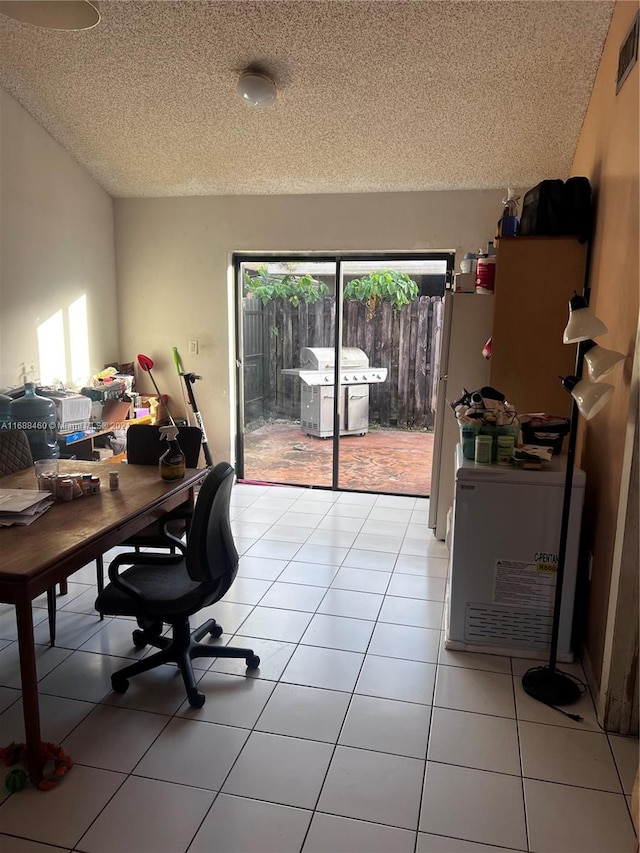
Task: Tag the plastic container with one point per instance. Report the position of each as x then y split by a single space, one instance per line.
172 461
495 431
486 274
37 417
504 449
468 433
483 449
508 224
65 489
469 263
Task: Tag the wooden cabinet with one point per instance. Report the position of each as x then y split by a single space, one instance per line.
535 278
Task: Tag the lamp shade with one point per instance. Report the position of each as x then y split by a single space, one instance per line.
600 361
583 323
52 14
256 89
590 397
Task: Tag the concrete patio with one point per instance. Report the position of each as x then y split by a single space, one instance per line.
384 460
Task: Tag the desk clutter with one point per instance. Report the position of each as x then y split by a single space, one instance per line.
67 487
491 432
22 506
89 423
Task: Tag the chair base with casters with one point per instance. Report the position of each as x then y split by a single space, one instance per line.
181 649
161 588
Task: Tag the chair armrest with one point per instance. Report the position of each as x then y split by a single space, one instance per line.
164 533
177 514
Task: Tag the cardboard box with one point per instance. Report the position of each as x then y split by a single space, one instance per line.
115 414
464 282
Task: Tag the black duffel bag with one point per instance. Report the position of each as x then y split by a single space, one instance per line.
555 208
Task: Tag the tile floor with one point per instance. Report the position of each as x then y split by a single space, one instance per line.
359 734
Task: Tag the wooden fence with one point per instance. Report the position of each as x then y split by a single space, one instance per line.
407 343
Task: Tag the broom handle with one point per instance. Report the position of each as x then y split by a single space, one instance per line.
173 423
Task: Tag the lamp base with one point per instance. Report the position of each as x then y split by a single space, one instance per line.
551 686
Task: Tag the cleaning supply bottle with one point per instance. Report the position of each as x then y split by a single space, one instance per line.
172 461
485 272
508 222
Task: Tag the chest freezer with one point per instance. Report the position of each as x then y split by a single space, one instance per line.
504 553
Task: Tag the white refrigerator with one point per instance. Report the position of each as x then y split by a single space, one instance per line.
466 327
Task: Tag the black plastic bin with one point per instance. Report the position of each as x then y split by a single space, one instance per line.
545 431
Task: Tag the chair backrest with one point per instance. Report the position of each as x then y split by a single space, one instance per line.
144 446
15 452
211 552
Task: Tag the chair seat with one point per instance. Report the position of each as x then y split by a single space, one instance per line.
168 593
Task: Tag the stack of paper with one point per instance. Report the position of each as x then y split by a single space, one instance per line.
22 506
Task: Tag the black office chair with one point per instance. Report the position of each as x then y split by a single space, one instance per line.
15 455
169 588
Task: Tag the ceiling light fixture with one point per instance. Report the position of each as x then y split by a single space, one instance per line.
52 14
256 89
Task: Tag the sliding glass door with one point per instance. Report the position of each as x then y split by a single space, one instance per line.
334 369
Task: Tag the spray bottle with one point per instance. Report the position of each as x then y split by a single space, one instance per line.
172 461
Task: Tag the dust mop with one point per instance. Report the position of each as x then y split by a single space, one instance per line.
189 379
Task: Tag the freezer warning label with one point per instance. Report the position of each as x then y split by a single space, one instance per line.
518 584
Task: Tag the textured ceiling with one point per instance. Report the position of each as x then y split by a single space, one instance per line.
373 96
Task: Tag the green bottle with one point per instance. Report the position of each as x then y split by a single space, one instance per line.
172 461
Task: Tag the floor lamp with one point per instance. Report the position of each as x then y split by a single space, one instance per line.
548 684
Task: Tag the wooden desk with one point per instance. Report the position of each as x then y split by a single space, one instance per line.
65 538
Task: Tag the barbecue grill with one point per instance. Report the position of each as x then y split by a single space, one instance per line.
316 374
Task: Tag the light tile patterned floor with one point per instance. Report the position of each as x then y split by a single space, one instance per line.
360 733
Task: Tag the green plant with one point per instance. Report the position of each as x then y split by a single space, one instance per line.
292 288
385 286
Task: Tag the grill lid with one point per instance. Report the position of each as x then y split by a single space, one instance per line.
323 358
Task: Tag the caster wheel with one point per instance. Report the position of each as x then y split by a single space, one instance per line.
253 662
216 631
119 685
154 631
139 639
197 700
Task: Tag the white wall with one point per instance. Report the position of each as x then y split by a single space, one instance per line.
56 243
174 282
